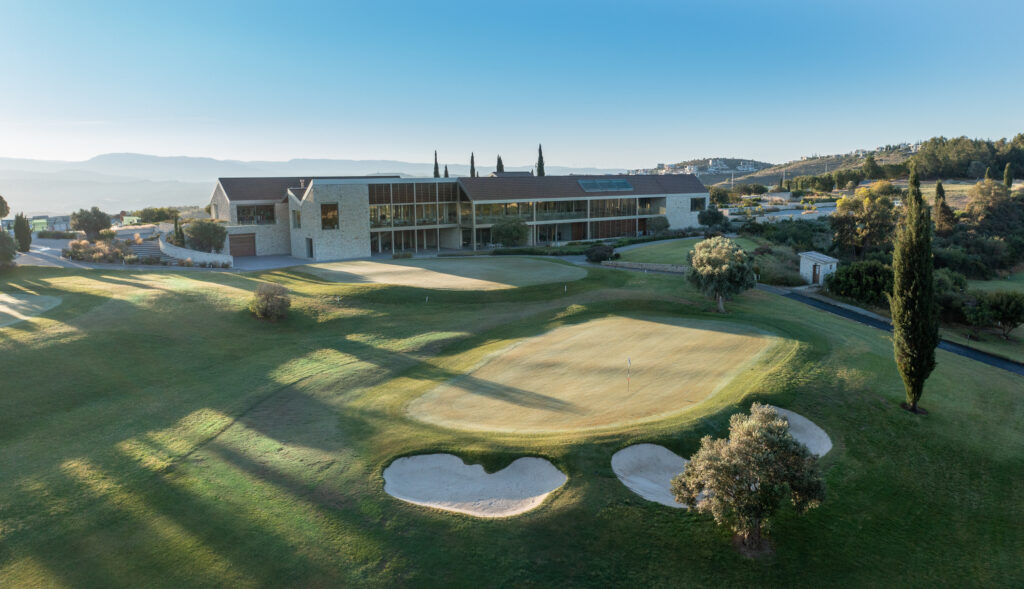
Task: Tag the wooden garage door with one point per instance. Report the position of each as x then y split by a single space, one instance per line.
243 244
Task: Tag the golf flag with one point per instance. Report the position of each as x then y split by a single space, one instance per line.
629 366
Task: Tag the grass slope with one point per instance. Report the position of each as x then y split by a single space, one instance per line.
153 434
675 251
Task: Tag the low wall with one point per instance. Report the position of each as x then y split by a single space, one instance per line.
197 257
674 268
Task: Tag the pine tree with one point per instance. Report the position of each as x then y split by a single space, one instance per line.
472 166
945 221
500 167
912 302
1008 175
446 170
540 160
437 172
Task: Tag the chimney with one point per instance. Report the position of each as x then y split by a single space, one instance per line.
302 182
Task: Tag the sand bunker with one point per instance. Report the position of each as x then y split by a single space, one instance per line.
648 469
806 432
19 307
450 274
601 373
444 481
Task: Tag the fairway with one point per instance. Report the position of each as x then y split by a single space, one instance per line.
450 274
576 377
15 308
676 251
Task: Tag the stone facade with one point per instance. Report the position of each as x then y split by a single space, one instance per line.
352 237
677 210
220 207
271 240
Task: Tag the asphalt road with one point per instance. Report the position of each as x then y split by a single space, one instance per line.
973 354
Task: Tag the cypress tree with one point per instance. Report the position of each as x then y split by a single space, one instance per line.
988 173
22 232
540 160
912 302
446 170
1008 176
500 167
944 218
437 172
472 166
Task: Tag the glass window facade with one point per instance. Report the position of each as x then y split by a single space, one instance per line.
562 209
494 212
256 215
698 204
613 207
329 216
380 215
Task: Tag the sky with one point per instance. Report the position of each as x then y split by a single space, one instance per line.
619 84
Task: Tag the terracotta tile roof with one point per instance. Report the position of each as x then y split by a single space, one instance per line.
274 188
539 187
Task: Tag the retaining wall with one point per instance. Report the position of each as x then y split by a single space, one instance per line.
197 257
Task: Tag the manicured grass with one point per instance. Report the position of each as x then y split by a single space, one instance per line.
153 434
559 382
675 252
1013 282
16 307
457 274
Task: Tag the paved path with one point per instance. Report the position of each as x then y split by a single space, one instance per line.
972 353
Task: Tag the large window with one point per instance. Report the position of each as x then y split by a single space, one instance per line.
380 215
561 209
329 216
296 220
612 207
698 204
256 215
492 213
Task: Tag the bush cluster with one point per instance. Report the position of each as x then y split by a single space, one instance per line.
866 282
47 234
105 252
270 302
599 253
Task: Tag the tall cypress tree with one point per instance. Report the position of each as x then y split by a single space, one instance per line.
915 318
945 221
472 166
500 167
437 172
540 160
988 173
1008 176
446 170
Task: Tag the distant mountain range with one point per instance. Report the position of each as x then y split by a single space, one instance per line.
128 181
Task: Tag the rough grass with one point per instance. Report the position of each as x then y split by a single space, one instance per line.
675 252
454 274
152 433
600 373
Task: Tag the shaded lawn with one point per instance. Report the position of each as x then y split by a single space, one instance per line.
186 444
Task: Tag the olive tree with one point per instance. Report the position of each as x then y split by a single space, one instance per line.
720 269
744 480
510 232
90 221
206 235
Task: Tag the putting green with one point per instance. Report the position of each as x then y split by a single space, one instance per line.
575 377
19 307
450 274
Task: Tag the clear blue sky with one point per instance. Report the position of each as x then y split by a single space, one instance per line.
616 84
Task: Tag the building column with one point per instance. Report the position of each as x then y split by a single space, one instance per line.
588 220
636 216
472 212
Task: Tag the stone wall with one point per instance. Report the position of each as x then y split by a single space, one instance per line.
271 240
352 237
220 205
674 268
677 210
197 257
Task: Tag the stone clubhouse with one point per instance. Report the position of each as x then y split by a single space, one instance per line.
335 218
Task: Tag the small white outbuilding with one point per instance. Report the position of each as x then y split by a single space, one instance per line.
815 266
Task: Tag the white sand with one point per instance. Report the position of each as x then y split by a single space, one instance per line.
15 308
648 470
806 432
444 481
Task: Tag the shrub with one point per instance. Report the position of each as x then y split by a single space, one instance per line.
510 232
720 269
657 225
711 217
108 252
106 235
867 282
401 255
91 221
270 302
206 235
8 250
22 232
950 292
599 253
